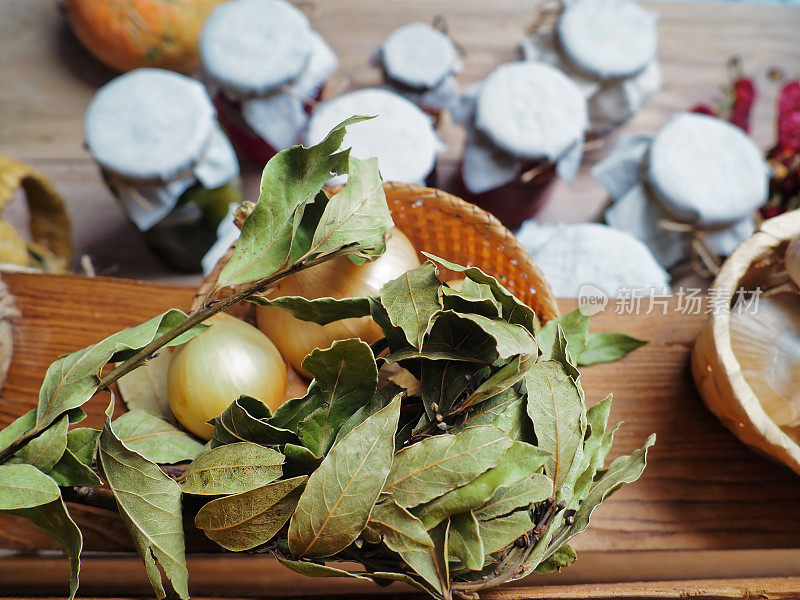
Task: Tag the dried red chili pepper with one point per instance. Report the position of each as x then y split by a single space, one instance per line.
704 109
789 118
744 95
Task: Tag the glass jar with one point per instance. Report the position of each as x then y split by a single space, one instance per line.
264 67
525 126
420 62
401 135
162 154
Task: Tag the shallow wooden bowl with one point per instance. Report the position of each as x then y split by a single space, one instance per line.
757 262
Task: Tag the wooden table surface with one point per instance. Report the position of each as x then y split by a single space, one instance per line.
707 507
47 81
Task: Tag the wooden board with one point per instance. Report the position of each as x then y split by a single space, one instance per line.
706 507
49 79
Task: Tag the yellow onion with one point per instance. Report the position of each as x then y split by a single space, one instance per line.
210 371
338 278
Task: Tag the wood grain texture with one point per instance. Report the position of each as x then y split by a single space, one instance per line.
49 79
703 489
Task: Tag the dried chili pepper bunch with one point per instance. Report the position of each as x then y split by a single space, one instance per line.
738 98
478 474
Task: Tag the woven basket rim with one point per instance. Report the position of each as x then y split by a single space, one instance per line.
470 214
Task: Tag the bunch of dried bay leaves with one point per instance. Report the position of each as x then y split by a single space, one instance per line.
478 472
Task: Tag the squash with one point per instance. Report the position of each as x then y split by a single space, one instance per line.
128 34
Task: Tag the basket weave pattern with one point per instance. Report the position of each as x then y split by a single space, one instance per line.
444 225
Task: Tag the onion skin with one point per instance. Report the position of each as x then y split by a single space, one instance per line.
210 371
338 278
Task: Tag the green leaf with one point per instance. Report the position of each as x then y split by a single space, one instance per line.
508 375
46 450
498 533
27 492
243 521
443 382
299 460
145 387
608 346
401 531
17 428
513 311
595 449
345 379
248 420
312 569
291 179
320 310
411 300
74 468
24 486
149 504
519 462
470 297
154 438
561 558
381 399
575 326
509 498
394 336
510 339
555 405
336 504
232 469
505 411
436 465
464 542
73 379
357 215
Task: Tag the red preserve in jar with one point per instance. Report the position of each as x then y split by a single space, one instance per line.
263 65
525 125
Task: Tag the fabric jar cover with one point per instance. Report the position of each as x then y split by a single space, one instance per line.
608 47
263 62
522 114
401 135
582 257
420 62
698 171
154 135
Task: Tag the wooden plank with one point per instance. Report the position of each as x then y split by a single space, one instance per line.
48 81
703 489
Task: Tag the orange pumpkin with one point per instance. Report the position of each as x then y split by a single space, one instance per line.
128 34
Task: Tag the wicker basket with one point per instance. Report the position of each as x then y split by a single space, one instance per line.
716 370
446 226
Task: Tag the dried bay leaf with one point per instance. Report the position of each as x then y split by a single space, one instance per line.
555 405
46 450
27 492
299 460
243 521
401 531
563 557
443 382
499 532
291 179
357 215
436 465
74 467
508 375
509 339
470 297
509 498
149 503
464 542
312 569
505 411
249 419
381 399
155 439
336 504
412 300
232 469
519 462
73 379
608 346
17 428
321 311
145 387
345 379
575 326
